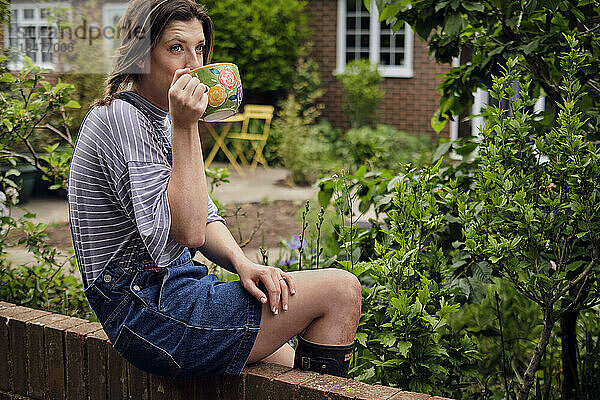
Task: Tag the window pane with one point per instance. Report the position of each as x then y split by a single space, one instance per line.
365 22
28 13
44 12
350 57
364 42
351 5
350 23
13 16
364 55
399 41
350 41
30 31
384 41
399 59
384 58
45 32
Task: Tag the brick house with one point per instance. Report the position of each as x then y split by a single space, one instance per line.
343 30
411 95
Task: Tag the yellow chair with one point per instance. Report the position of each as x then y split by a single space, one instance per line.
257 138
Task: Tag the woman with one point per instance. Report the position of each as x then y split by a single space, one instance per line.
139 209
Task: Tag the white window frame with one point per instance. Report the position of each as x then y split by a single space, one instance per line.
387 71
38 22
109 10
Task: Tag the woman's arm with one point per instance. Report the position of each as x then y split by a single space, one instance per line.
221 248
187 189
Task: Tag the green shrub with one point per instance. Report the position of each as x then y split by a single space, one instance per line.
386 148
262 37
361 81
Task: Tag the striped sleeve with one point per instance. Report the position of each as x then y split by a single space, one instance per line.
143 189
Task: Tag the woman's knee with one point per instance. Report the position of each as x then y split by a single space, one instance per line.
347 291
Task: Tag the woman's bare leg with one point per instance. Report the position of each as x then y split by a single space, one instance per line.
327 304
282 356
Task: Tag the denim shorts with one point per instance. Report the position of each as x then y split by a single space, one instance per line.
176 321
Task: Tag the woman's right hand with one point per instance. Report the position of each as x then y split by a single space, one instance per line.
187 98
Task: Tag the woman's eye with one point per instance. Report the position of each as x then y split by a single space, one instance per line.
175 47
200 48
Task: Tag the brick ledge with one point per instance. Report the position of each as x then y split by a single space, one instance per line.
56 356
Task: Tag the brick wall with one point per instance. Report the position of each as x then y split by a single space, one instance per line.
53 356
409 103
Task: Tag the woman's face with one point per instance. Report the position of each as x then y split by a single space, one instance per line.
181 45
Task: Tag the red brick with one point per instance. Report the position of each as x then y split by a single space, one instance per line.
286 385
117 374
162 388
410 396
231 387
351 389
18 346
137 381
54 344
96 365
318 387
208 388
75 358
259 380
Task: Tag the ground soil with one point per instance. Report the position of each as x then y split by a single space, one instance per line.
259 224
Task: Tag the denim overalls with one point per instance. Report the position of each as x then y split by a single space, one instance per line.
175 321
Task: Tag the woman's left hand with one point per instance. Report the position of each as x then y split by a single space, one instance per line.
279 284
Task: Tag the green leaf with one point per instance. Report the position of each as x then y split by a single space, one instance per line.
72 104
361 338
453 24
441 150
469 6
436 123
8 124
7 77
404 347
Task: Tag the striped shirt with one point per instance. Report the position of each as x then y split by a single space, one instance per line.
118 207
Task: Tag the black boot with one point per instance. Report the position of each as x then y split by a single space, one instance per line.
326 359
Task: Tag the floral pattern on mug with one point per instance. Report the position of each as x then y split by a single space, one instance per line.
216 96
227 78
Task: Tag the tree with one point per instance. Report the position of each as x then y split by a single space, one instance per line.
263 38
536 219
493 31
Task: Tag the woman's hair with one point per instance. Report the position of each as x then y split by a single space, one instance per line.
143 16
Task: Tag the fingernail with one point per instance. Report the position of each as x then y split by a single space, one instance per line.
263 300
293 291
285 307
275 310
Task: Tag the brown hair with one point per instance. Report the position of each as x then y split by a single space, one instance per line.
152 15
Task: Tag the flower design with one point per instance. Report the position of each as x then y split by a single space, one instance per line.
239 94
216 96
227 78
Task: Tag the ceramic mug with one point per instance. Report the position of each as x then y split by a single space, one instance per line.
224 90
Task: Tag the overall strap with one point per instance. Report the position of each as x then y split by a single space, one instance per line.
157 134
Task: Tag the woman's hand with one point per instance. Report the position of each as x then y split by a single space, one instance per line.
279 285
187 98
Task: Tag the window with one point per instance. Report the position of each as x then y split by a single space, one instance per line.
111 14
32 32
361 35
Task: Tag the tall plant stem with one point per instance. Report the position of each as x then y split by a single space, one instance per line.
504 367
534 364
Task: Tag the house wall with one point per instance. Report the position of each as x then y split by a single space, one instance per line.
409 103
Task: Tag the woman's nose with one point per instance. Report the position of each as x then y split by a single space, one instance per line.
195 61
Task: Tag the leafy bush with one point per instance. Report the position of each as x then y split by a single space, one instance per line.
386 148
361 82
262 37
537 218
29 104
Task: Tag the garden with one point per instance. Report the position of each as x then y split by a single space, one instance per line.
479 264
